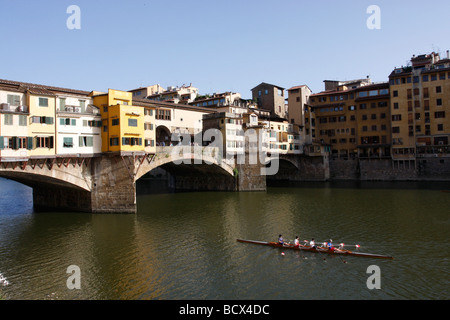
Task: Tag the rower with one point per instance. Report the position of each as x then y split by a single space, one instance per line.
296 242
280 240
312 244
330 245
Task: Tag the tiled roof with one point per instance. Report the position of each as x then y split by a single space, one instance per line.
38 88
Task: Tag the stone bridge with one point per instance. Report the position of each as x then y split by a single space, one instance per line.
107 183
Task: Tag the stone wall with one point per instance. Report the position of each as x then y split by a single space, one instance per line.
429 169
113 187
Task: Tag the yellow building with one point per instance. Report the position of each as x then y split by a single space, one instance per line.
122 123
41 125
353 121
420 108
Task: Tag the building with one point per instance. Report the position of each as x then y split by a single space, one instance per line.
15 142
172 120
122 122
353 121
184 94
47 121
219 100
272 98
420 95
78 124
298 98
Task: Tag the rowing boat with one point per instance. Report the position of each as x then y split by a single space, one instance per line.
318 249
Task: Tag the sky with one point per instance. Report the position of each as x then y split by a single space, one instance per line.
214 45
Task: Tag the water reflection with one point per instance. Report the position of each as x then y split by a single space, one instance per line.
183 245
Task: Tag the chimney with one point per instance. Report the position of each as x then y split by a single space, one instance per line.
448 54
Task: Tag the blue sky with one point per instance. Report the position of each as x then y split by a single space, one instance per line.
215 45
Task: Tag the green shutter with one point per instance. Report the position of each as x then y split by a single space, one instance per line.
74 122
62 121
30 143
2 143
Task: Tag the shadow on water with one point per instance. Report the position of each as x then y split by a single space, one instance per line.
356 184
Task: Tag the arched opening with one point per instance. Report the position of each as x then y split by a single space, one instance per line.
170 176
49 194
163 136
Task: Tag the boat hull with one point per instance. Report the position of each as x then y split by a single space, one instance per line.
336 252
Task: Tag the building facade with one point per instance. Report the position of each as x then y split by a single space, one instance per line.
271 97
420 95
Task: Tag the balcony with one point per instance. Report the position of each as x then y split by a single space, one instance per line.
10 108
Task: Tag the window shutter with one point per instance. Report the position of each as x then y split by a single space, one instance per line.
2 143
30 143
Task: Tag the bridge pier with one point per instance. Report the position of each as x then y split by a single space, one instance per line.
113 186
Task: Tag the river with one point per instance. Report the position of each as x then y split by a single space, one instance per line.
183 245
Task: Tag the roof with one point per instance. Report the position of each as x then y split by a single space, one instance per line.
298 87
267 84
152 103
38 88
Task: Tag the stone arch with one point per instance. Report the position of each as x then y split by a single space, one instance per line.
167 159
163 136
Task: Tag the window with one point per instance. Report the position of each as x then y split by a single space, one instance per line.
395 105
13 99
8 119
131 141
46 120
425 78
132 122
114 141
396 117
162 114
439 114
115 122
82 105
395 129
362 94
395 93
43 102
87 141
439 102
62 104
68 142
44 142
438 89
22 120
362 106
68 122
440 127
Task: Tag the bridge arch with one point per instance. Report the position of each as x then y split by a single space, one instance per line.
197 159
50 172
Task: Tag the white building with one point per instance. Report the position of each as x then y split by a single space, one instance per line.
78 126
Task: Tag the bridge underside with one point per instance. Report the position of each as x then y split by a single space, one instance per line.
199 177
52 194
